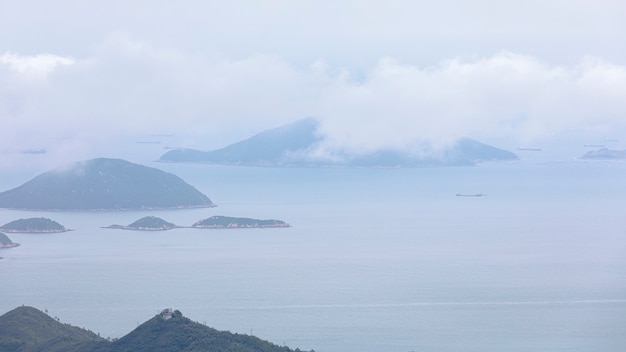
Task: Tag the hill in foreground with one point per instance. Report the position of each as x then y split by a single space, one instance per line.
27 329
33 225
104 184
300 144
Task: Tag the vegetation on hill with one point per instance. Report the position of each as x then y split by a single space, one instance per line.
104 184
26 329
33 225
231 222
147 223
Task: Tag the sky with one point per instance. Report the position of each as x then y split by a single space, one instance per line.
78 77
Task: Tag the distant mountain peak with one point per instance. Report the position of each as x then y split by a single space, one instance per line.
301 144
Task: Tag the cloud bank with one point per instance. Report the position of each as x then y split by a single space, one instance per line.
74 106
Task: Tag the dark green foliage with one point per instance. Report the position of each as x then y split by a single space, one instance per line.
181 334
104 184
26 329
231 222
33 225
151 223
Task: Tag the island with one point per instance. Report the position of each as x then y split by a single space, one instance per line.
26 329
104 184
5 241
605 154
148 223
34 225
226 222
301 143
153 223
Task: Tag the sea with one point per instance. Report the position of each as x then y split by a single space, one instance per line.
375 259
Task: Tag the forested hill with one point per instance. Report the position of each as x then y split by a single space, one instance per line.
26 329
104 184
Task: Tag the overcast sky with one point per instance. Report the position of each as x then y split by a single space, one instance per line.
76 76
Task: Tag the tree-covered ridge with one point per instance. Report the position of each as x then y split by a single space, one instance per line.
5 241
27 329
33 225
104 184
232 222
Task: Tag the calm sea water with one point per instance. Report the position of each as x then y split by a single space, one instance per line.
376 260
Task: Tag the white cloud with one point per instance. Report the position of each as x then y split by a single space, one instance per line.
37 66
510 95
127 88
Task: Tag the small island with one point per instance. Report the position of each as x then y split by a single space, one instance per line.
34 225
226 222
605 154
153 223
148 223
5 241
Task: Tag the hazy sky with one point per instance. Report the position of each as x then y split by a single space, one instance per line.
77 75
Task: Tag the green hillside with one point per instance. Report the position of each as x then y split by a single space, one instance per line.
33 225
26 329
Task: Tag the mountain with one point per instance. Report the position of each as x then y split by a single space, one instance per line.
148 223
231 222
32 225
272 147
104 184
298 143
27 329
5 241
606 154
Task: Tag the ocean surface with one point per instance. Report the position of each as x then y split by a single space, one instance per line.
375 260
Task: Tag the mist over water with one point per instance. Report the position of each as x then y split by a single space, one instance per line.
375 260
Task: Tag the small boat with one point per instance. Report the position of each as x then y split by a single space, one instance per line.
470 195
33 151
530 149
